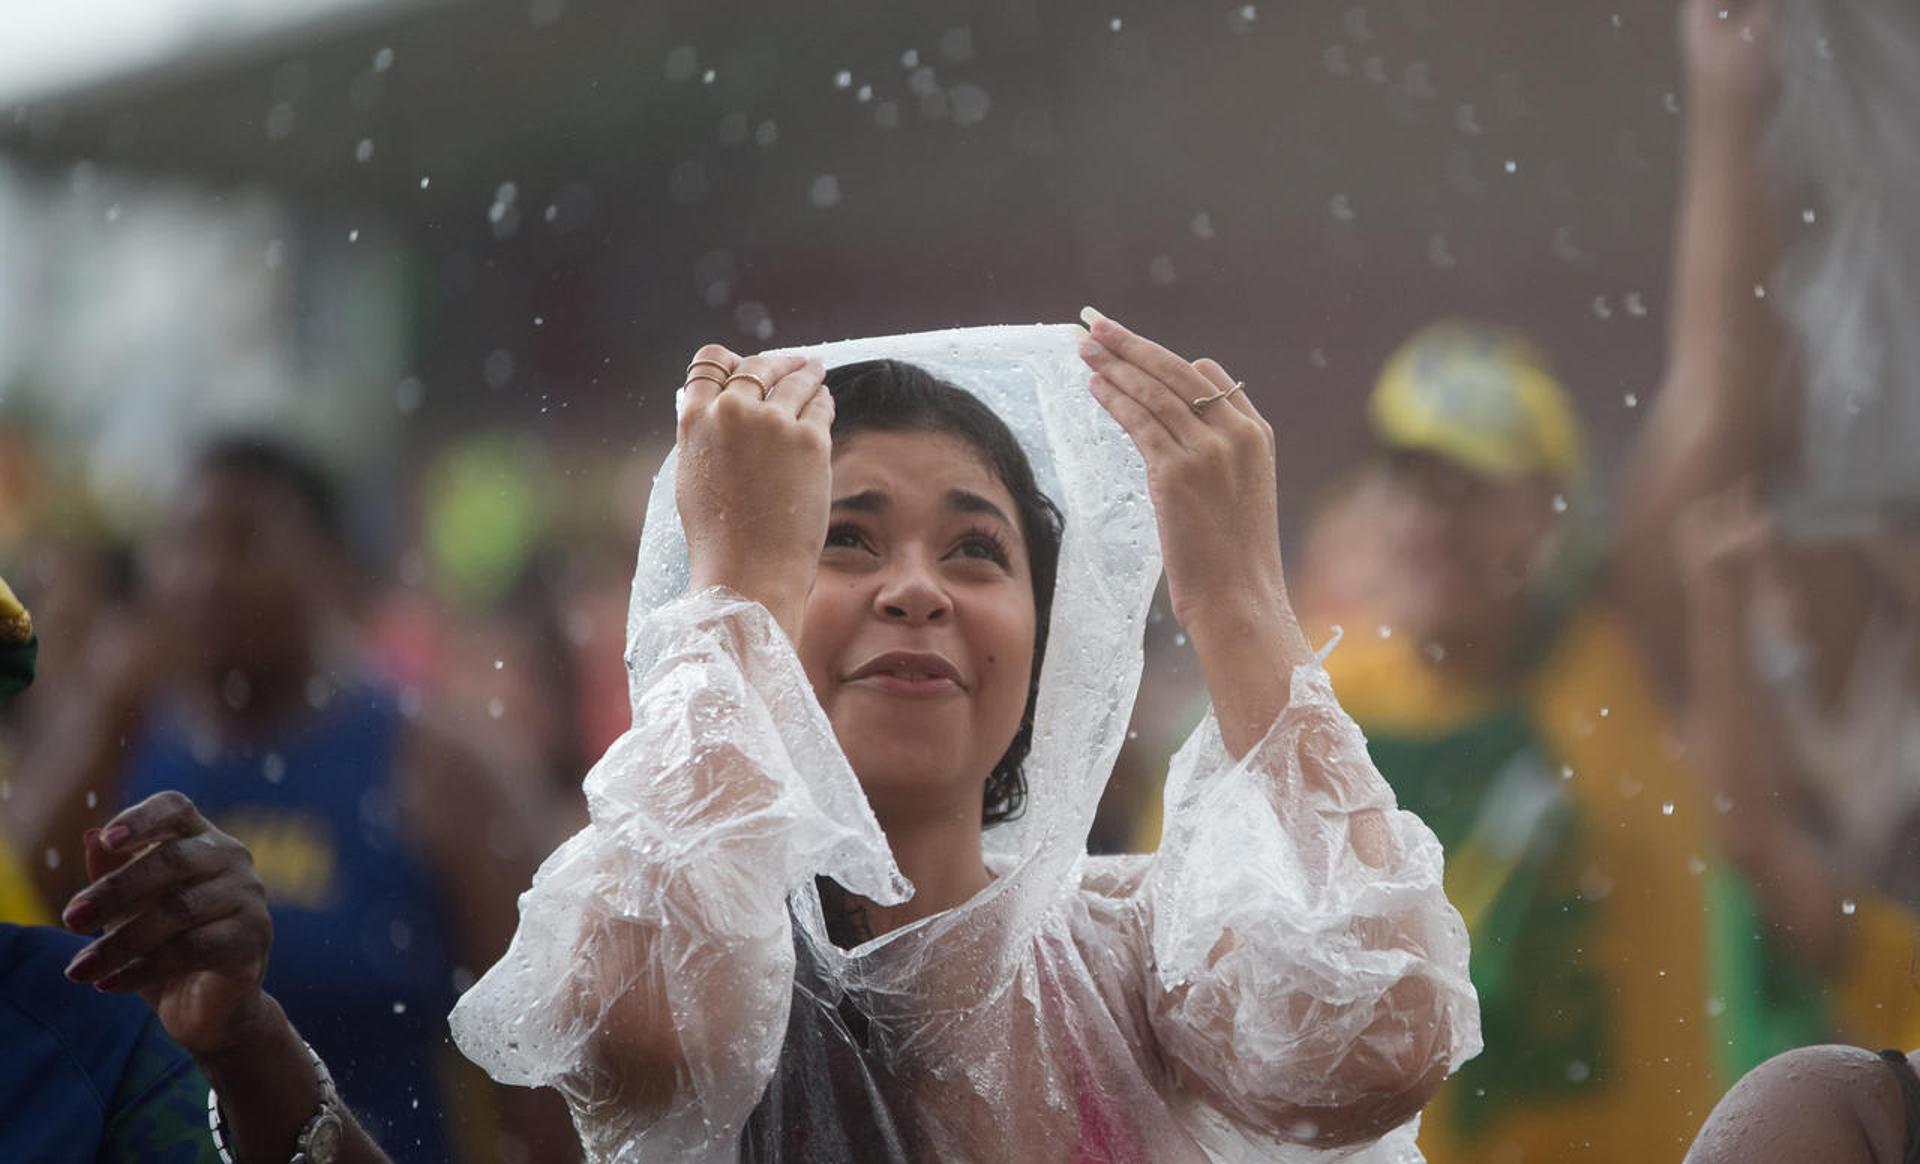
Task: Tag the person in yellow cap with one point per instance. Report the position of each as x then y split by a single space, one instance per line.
1501 699
19 650
1515 686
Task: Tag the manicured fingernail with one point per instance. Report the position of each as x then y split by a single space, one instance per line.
1090 317
79 914
115 836
83 966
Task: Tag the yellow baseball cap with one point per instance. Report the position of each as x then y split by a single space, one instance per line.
1483 398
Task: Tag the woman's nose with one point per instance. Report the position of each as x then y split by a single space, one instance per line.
912 593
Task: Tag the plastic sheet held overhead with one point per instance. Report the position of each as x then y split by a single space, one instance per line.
1253 991
1845 150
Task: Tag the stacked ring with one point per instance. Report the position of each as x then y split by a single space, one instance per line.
756 381
1199 404
714 364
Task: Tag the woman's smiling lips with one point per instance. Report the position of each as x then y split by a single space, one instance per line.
909 673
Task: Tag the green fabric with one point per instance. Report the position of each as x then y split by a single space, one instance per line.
160 1109
17 662
1543 1013
1748 965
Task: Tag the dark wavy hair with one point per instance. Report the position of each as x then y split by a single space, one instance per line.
891 396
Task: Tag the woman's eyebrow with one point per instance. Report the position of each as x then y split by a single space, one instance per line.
961 501
866 501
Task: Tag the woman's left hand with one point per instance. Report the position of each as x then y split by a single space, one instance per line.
1210 472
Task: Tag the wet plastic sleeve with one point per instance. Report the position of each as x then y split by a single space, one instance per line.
650 976
1296 989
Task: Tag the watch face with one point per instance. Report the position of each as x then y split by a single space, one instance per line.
321 1142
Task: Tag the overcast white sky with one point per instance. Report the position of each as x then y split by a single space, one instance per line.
54 49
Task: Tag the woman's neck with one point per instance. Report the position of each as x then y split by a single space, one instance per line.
941 855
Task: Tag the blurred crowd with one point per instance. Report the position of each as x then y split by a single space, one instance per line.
1667 727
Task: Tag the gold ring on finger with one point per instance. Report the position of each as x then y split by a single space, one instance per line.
716 365
756 381
692 380
1199 403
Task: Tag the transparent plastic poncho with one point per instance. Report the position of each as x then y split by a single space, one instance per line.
1211 1001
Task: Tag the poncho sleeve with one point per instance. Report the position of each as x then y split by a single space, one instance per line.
1294 990
651 974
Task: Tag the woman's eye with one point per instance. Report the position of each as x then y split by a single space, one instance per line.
984 548
845 536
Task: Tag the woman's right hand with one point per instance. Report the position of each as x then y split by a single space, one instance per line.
755 476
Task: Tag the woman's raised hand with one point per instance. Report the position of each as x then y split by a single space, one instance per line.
1210 472
1210 469
755 475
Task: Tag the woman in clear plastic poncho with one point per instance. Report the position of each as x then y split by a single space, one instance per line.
817 731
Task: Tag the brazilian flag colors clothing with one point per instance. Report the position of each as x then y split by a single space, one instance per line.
1624 978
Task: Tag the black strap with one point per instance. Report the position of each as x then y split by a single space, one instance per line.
1902 1069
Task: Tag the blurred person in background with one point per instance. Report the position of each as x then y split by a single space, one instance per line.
391 851
19 659
1789 637
156 1040
91 1074
1511 680
1836 1105
1501 697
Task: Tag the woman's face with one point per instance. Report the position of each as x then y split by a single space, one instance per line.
918 635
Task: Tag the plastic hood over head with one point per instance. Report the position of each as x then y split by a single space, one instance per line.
1253 991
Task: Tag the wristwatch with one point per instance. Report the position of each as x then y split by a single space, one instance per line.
320 1137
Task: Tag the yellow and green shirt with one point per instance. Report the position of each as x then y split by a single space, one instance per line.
1624 978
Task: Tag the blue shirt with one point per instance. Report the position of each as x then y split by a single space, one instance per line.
86 1077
